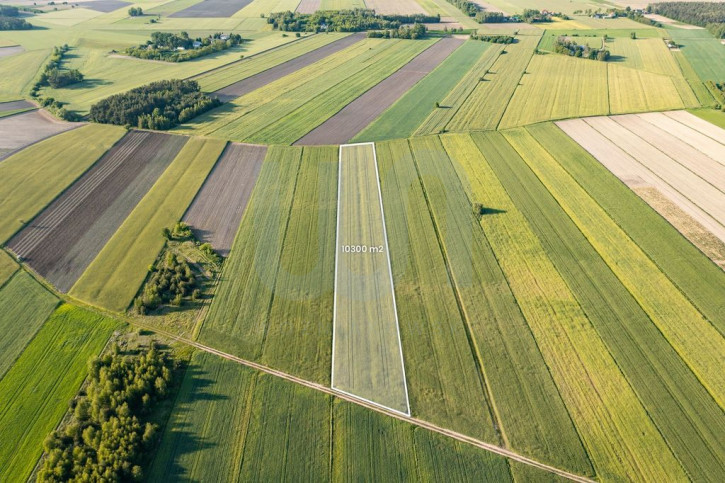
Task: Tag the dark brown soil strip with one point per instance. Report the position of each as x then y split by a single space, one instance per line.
212 9
245 86
217 210
104 6
356 116
64 239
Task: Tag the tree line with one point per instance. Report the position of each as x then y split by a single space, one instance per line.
180 47
417 31
357 20
159 105
55 76
109 431
494 38
702 14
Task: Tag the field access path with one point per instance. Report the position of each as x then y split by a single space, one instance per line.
367 356
256 81
357 115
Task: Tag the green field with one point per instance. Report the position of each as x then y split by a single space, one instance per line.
704 52
113 278
408 113
34 394
7 267
367 357
26 305
32 178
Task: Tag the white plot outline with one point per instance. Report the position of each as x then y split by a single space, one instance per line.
390 273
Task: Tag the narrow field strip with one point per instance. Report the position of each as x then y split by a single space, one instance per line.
259 7
367 357
115 275
700 125
308 6
261 79
237 318
7 267
697 341
627 169
355 116
298 335
402 118
528 406
217 209
25 306
617 431
713 148
34 394
34 177
212 9
681 408
693 273
65 238
445 384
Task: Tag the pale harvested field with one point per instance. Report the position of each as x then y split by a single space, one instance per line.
669 21
698 235
64 238
695 138
694 160
308 6
635 175
366 359
245 86
217 209
356 116
213 9
13 105
104 6
395 7
699 124
17 132
8 51
488 7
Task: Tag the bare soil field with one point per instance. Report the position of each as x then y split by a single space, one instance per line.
631 170
693 137
8 51
104 6
395 7
355 117
245 86
64 238
17 132
14 105
212 9
217 209
699 124
708 243
308 6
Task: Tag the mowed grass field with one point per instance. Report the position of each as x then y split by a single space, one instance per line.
33 177
115 275
7 267
704 52
34 394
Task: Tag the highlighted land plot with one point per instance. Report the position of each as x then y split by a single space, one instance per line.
367 359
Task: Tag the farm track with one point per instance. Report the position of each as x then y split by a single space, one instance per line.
358 114
212 9
256 81
217 209
63 240
373 407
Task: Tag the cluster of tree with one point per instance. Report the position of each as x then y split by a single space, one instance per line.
135 11
108 433
356 20
168 284
179 48
159 105
491 17
536 16
54 76
417 31
9 19
564 45
469 8
718 91
494 39
703 14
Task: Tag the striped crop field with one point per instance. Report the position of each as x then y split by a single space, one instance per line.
32 178
519 382
408 113
446 390
25 306
632 90
485 107
612 423
681 408
34 394
115 275
259 7
698 342
563 87
236 71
